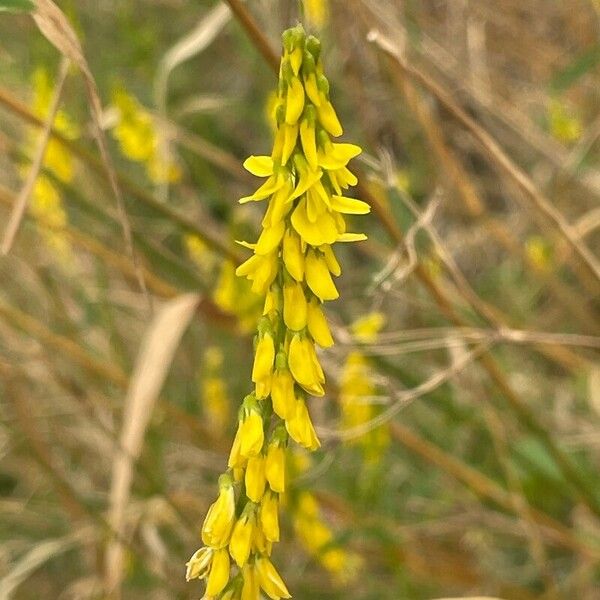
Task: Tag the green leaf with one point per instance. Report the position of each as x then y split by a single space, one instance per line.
16 5
578 68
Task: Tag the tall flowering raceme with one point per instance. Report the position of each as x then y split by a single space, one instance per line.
291 267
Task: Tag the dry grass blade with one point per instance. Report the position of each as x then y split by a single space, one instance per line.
56 29
188 46
20 206
33 560
156 353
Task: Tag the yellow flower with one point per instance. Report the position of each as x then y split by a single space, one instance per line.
300 427
317 324
270 580
251 431
294 306
357 390
138 138
199 252
250 588
199 564
293 255
269 516
255 478
260 544
275 466
260 270
366 328
294 101
318 276
304 365
242 535
220 517
263 365
219 573
282 390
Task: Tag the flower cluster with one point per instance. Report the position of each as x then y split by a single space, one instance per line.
139 138
215 400
313 532
358 390
292 267
46 202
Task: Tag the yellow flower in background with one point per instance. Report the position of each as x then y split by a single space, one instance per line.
291 269
234 296
358 391
539 253
57 158
215 401
139 138
199 252
318 539
565 125
46 203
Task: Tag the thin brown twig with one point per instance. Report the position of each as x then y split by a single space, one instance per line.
256 35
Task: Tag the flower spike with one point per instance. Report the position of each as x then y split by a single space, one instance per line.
292 267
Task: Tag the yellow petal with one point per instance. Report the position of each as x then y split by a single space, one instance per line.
309 143
346 177
290 135
312 90
302 365
261 166
219 573
337 156
266 189
270 580
275 467
329 119
318 277
241 540
250 588
351 237
296 59
263 359
294 101
282 393
293 257
294 306
317 325
278 205
322 231
269 516
219 519
252 435
269 238
300 427
255 478
248 266
307 179
332 264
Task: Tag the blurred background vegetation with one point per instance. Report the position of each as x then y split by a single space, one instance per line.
461 425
